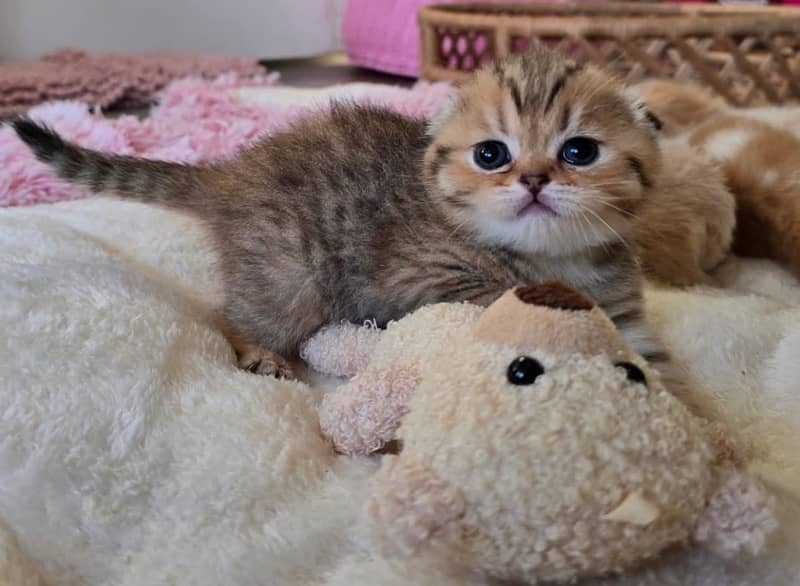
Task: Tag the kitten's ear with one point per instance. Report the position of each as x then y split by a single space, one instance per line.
654 120
442 115
641 114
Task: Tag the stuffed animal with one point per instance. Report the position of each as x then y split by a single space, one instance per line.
534 444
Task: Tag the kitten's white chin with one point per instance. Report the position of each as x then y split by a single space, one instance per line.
544 233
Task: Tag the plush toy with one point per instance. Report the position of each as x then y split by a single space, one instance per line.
534 445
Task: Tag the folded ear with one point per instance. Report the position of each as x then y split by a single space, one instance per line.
738 516
341 349
410 506
362 415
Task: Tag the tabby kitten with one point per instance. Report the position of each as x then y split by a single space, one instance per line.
534 171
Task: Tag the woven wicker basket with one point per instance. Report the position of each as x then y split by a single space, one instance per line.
749 55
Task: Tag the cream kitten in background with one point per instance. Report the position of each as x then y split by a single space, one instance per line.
758 151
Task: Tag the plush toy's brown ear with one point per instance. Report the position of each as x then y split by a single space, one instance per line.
554 294
410 506
738 516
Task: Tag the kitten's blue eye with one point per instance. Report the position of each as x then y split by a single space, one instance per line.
580 151
491 155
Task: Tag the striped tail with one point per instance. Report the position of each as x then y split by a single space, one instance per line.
170 184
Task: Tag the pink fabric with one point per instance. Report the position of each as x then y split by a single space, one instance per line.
341 349
194 121
363 415
104 80
384 35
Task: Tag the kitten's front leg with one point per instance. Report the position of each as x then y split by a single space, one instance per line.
255 358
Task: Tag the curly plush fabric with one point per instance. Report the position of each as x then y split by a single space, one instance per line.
133 452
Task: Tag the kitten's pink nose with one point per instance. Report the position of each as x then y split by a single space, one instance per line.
533 182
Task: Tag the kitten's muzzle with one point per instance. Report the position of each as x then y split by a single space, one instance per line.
534 182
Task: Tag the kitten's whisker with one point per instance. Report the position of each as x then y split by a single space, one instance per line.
603 242
607 225
619 209
611 184
457 228
582 218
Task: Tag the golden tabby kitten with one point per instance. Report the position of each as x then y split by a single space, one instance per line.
758 151
762 166
685 227
533 172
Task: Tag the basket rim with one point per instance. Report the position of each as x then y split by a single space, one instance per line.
607 19
734 29
611 10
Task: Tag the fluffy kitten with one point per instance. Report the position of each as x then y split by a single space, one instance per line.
758 151
762 166
685 227
533 172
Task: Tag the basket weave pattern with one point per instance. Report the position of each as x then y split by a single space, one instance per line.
748 55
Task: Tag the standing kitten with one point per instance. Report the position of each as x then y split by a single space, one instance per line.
533 172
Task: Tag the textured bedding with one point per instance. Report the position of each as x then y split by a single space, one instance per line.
133 452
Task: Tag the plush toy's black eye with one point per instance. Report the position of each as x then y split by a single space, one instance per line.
491 155
633 372
524 370
580 151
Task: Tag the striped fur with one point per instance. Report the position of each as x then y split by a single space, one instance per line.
159 182
348 215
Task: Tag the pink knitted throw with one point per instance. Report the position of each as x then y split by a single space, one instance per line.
195 120
104 80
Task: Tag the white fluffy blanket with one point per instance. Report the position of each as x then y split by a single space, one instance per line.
132 451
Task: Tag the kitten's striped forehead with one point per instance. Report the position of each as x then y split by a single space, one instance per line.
534 84
547 86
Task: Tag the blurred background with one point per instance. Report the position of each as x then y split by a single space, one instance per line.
267 28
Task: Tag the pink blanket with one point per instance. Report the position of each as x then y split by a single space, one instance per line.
194 121
105 80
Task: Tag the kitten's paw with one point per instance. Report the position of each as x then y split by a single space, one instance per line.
717 251
265 362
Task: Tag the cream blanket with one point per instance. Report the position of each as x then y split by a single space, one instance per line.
132 451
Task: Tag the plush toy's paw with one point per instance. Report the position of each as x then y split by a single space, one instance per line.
738 517
259 360
361 416
340 350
